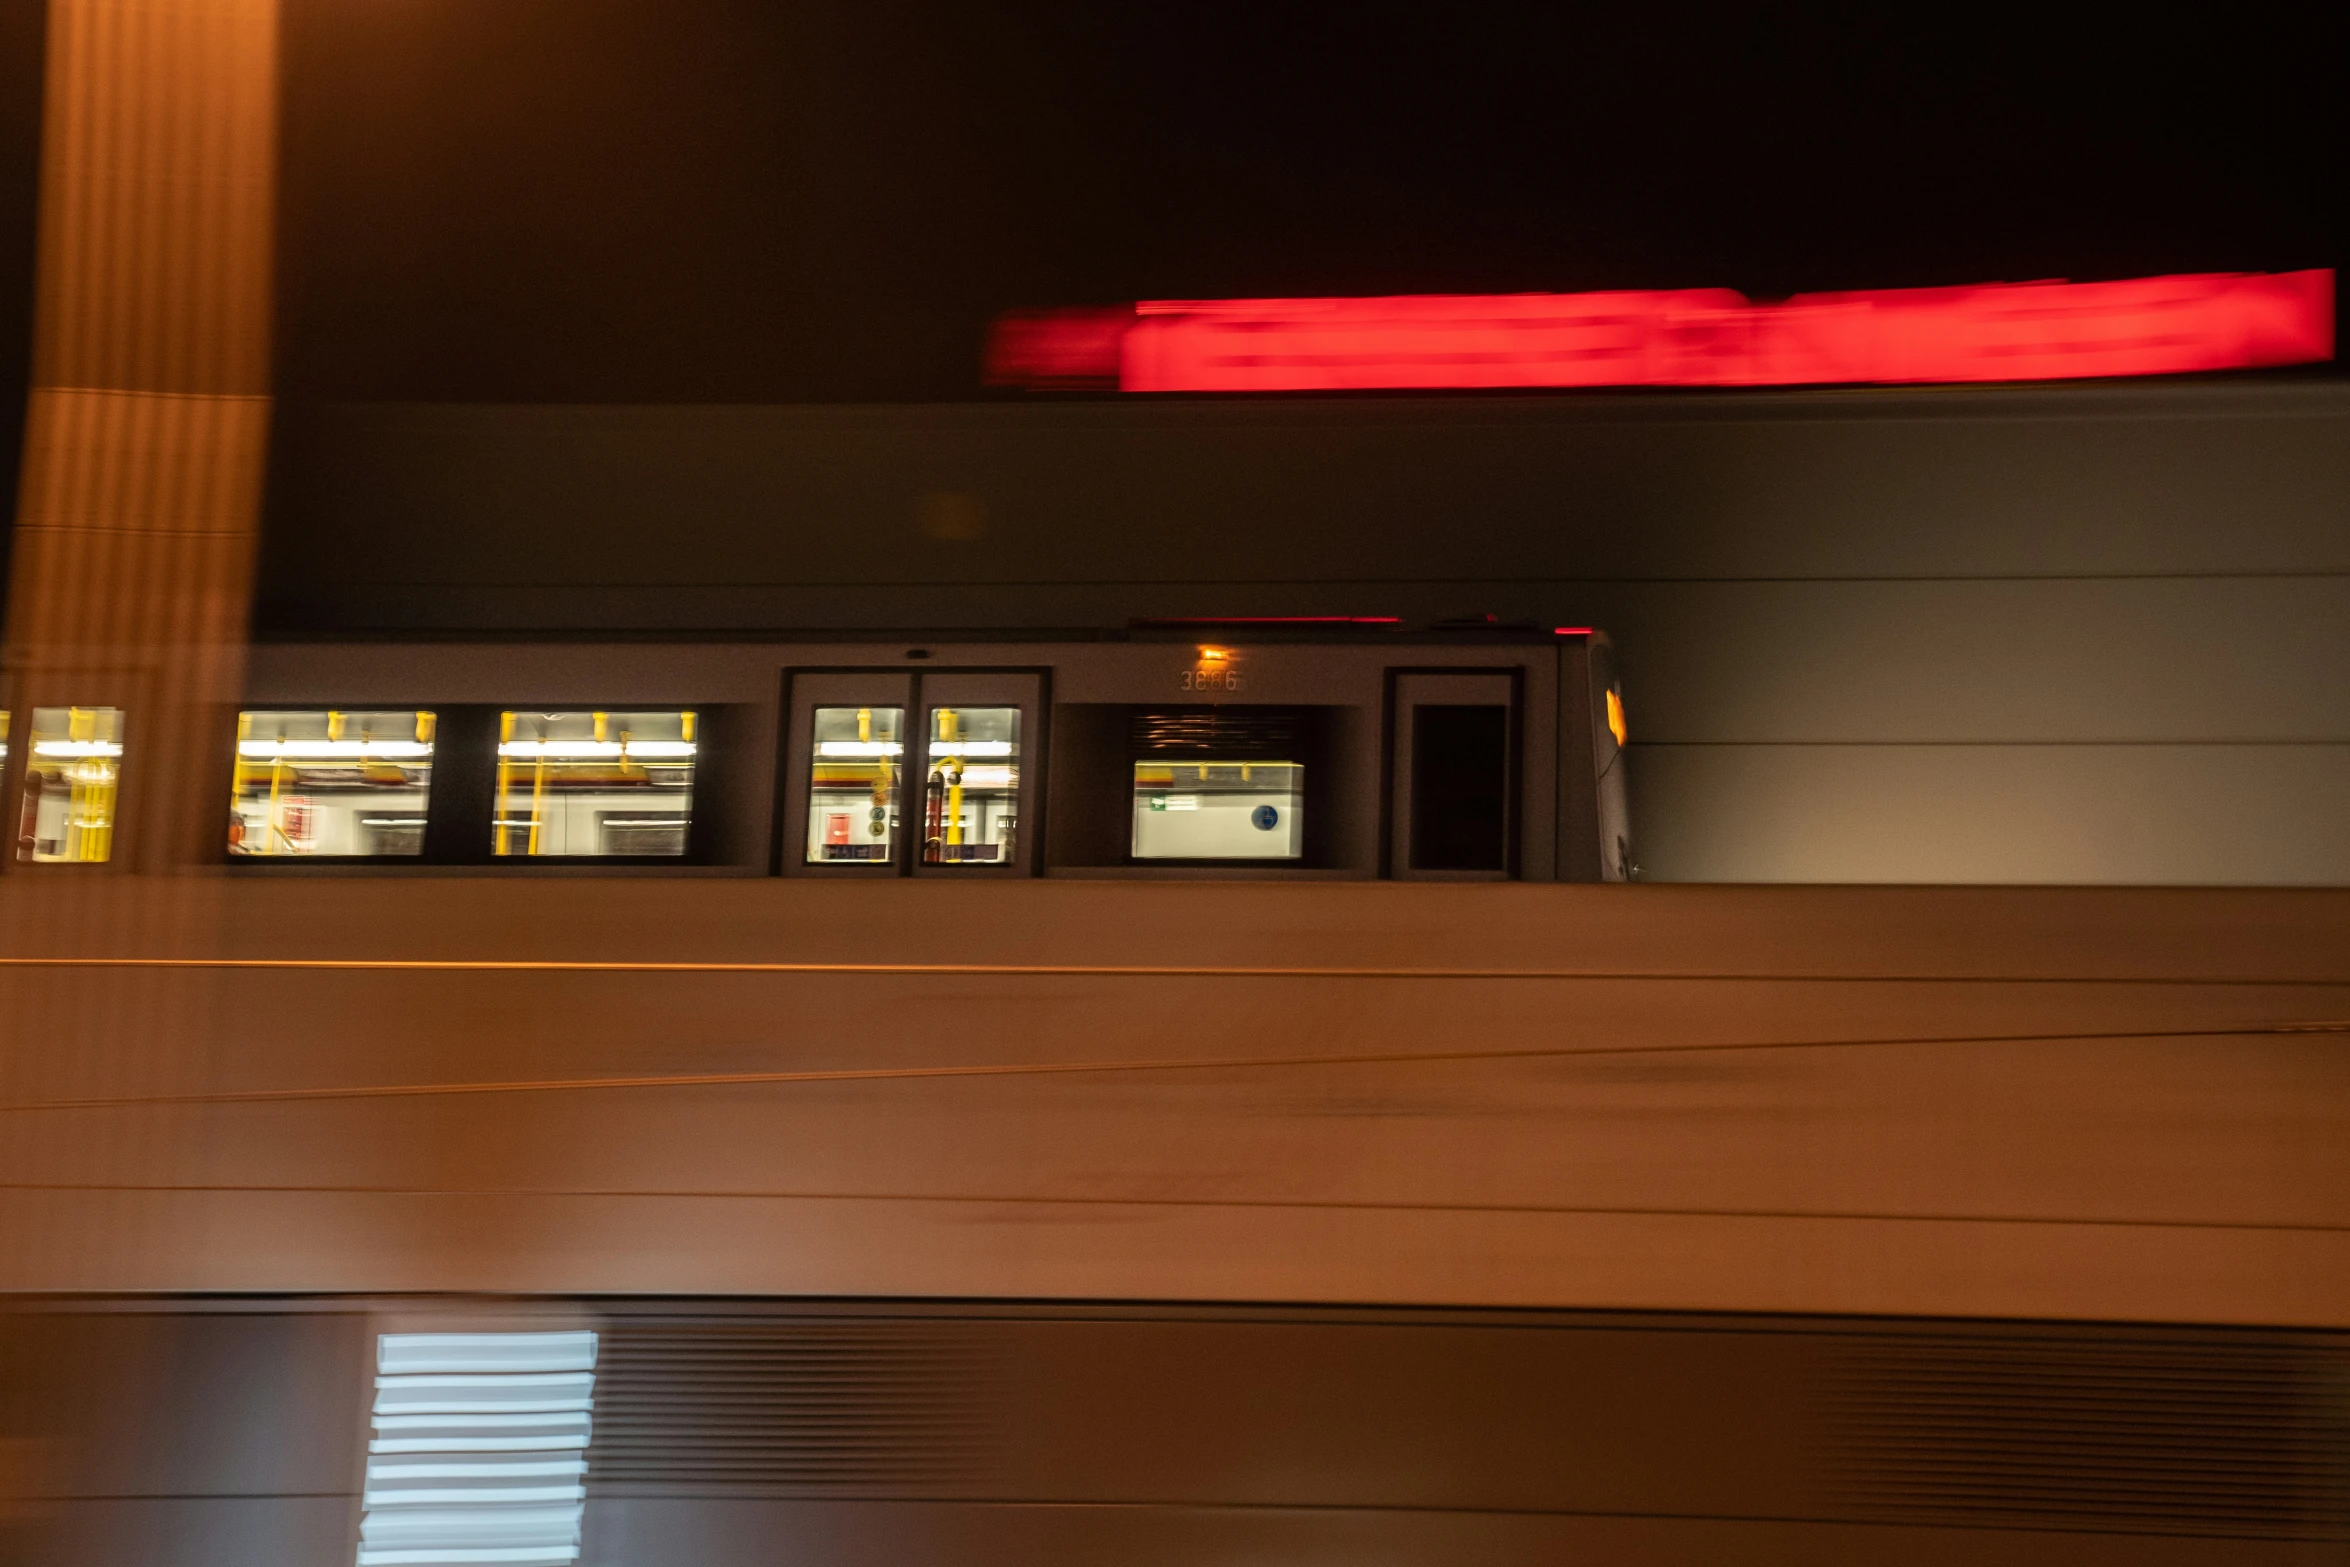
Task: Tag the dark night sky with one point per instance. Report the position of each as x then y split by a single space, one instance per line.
744 200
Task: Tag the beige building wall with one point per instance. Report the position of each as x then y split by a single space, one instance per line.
2091 1104
2080 634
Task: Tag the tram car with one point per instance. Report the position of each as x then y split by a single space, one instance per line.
1214 749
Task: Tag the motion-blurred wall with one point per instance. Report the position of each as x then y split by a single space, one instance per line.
2092 1104
2087 634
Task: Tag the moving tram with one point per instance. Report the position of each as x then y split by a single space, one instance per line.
1208 750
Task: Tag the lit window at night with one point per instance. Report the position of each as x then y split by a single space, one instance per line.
853 773
1221 783
971 800
478 1451
594 784
1218 810
331 783
70 782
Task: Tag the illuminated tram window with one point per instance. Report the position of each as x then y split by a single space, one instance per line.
971 800
331 782
573 784
853 774
1218 810
70 782
1218 783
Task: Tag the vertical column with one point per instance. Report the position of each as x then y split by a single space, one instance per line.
148 421
126 617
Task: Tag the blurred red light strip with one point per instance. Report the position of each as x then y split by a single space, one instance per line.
1687 337
1275 620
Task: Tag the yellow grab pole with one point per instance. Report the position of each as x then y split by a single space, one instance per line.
277 777
498 808
538 791
950 730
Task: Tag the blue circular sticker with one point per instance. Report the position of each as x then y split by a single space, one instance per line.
1265 818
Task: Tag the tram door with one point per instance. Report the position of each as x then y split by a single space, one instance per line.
890 772
1455 775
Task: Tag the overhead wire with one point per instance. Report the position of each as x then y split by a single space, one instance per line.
1096 1200
1140 971
793 1076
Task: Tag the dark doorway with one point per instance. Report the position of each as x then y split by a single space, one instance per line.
1460 788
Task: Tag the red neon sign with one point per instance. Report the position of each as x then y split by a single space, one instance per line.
1277 620
1688 337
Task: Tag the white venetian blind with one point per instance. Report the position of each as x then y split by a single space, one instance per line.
479 1449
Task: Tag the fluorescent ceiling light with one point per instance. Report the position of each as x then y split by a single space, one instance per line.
323 750
477 1471
589 750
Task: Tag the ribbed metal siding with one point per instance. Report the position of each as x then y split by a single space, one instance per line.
821 1406
2136 1436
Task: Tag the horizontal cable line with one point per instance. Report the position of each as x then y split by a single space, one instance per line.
2136 1525
1983 1452
1205 1063
1125 971
181 1496
2095 1440
2209 1393
77 529
861 1074
2254 743
1300 1204
1401 634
